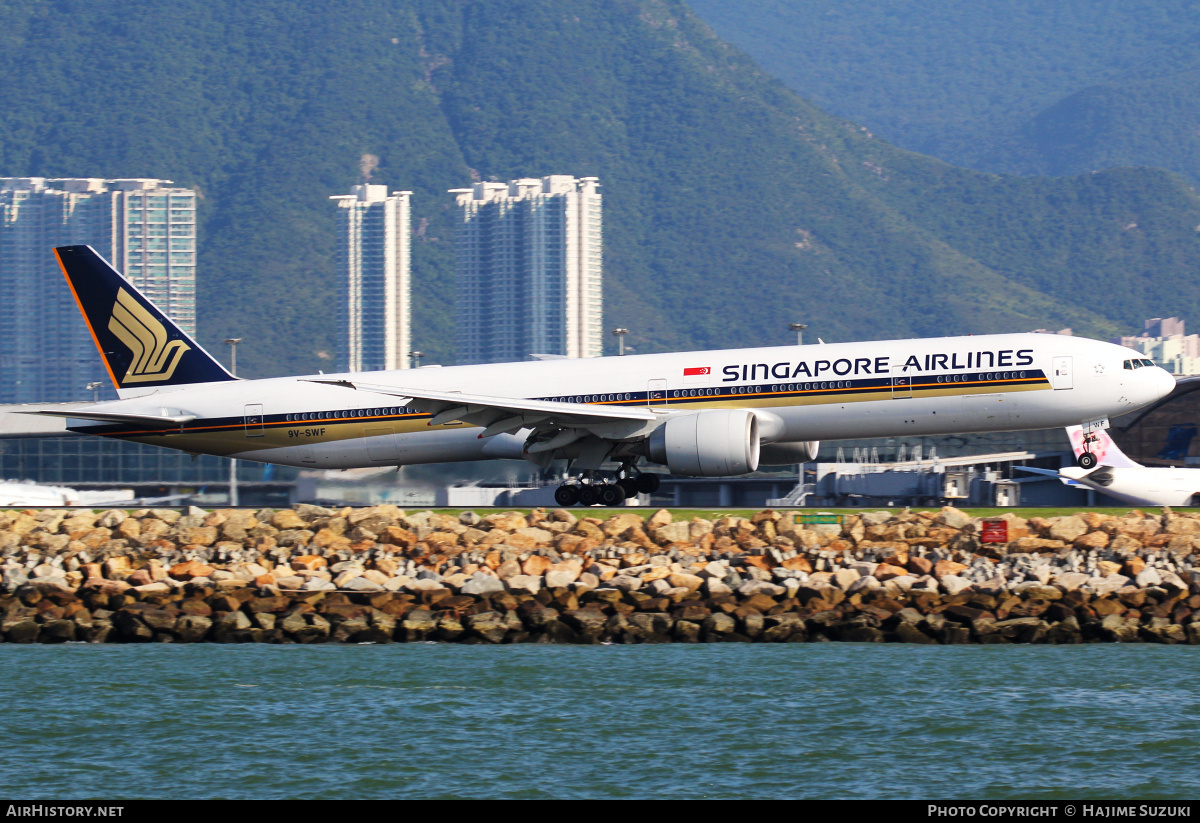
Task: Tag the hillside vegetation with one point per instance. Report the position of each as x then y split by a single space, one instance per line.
1022 87
1147 116
732 205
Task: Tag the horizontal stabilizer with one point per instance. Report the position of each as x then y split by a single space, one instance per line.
153 420
1048 473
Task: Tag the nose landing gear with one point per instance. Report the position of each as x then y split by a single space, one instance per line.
1087 459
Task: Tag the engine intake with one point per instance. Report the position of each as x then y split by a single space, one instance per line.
714 443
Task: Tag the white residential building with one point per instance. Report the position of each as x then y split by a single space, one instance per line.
374 264
530 269
143 226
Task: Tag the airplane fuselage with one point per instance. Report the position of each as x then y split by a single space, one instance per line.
801 393
1141 485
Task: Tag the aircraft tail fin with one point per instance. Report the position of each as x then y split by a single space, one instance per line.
1106 451
141 347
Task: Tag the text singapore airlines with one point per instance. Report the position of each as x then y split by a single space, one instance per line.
713 413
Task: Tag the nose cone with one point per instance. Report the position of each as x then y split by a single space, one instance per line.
1147 385
1161 382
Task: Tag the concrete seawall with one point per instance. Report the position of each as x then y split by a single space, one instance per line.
380 574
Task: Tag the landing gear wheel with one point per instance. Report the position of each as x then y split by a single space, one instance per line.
1087 460
647 483
629 486
566 495
611 495
589 495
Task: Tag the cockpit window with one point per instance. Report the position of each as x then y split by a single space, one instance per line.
1147 362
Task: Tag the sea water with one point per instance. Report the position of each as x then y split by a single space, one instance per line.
728 721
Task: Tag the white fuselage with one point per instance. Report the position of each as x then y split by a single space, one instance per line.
806 393
1141 485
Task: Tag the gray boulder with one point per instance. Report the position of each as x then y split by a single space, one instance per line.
490 625
1148 577
482 584
192 628
753 587
362 584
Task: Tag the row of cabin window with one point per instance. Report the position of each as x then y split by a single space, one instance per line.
350 413
591 398
970 378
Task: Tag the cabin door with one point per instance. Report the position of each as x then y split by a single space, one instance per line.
901 385
1062 377
656 392
254 420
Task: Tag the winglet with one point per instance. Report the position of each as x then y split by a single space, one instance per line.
141 347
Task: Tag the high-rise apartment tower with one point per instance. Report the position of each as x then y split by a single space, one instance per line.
529 269
144 227
374 262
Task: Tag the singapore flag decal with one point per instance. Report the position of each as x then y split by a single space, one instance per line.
697 375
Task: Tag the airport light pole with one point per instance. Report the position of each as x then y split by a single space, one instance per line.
798 328
93 388
232 342
620 335
416 356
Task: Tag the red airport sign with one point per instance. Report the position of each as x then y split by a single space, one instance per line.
994 531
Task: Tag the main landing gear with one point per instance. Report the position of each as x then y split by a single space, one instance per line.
588 491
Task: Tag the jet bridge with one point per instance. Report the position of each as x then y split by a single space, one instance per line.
970 480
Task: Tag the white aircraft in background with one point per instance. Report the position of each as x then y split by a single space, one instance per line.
1121 478
15 494
711 414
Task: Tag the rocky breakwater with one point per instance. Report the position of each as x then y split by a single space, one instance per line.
312 575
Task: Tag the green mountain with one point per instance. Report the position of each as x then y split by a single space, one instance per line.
732 206
1147 116
1021 87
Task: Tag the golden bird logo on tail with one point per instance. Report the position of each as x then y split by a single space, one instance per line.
154 358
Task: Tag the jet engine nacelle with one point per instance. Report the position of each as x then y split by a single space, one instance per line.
714 443
789 453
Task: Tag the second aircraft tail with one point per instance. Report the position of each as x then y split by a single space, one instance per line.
142 348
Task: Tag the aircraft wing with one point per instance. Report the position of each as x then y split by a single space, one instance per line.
500 415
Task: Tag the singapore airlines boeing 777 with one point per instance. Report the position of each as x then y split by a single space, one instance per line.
710 413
